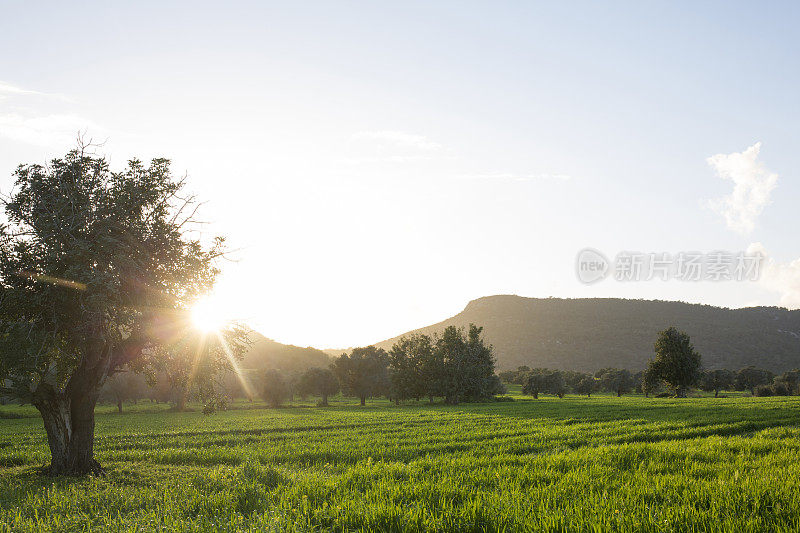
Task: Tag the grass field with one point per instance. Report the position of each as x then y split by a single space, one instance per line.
576 464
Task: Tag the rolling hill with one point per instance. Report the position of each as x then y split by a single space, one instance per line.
265 353
592 333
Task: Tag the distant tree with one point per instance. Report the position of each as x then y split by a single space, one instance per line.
478 366
791 380
716 380
650 381
319 382
97 270
467 364
587 385
616 380
508 376
543 380
676 362
124 387
363 373
572 378
274 388
405 364
750 377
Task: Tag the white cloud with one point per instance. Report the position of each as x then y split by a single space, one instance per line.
47 130
783 278
6 89
509 176
391 146
752 185
41 120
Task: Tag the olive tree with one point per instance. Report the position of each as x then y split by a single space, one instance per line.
97 271
676 362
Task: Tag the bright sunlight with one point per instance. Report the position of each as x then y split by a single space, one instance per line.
208 316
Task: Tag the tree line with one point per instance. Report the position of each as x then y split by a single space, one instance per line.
675 369
455 365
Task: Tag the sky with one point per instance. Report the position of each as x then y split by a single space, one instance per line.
375 165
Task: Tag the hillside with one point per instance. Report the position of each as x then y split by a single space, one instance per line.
592 333
265 353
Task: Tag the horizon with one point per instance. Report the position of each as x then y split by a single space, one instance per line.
376 167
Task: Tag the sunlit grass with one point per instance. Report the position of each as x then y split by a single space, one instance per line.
579 464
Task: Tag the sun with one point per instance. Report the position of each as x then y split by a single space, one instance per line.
207 316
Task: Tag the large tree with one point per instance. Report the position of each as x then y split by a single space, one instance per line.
97 271
676 362
363 373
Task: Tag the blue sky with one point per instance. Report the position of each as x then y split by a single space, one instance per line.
378 165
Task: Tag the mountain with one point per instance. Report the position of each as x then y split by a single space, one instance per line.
587 334
265 353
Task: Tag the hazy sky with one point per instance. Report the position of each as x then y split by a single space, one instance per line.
380 164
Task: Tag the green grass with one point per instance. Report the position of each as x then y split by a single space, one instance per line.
576 464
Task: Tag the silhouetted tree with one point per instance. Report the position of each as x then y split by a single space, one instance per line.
320 382
716 380
274 388
363 373
97 270
676 361
750 377
124 387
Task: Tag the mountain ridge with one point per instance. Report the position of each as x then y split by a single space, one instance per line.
587 334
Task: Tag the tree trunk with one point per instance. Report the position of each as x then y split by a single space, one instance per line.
619 393
69 424
181 402
716 393
430 398
324 402
363 400
119 406
397 401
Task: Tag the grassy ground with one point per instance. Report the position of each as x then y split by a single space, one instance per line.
576 464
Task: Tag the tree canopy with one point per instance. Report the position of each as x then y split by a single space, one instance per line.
97 271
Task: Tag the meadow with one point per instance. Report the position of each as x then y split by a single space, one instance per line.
572 464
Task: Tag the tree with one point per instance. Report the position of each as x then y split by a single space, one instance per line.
651 381
123 387
363 373
750 377
478 366
616 380
676 361
789 379
405 363
543 380
716 380
587 385
97 272
274 388
320 382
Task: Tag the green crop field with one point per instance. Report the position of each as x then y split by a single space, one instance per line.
575 464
